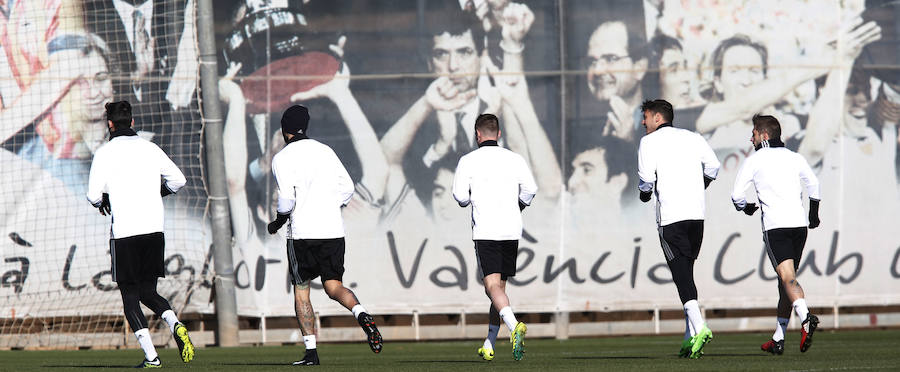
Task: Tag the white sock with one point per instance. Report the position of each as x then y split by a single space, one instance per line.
491 340
780 329
169 317
506 314
143 337
689 331
357 309
801 309
310 342
692 310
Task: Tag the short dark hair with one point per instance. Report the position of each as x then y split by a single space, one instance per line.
658 45
767 124
119 113
661 107
453 20
487 124
738 40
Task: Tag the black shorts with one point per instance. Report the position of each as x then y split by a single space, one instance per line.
497 256
785 244
309 258
137 258
682 238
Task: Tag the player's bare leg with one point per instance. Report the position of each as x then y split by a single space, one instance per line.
344 296
794 292
306 317
495 288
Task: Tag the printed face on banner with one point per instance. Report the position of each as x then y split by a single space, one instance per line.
590 176
674 77
741 68
456 56
96 90
611 71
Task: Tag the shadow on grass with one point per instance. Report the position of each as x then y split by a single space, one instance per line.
85 366
441 361
607 357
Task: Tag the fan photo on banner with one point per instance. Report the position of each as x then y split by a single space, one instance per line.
394 88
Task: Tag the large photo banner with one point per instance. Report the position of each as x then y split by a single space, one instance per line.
395 87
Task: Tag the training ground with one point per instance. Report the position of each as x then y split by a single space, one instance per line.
832 351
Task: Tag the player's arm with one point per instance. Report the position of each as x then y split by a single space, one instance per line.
286 198
344 182
96 186
812 190
710 162
461 186
173 179
646 171
527 186
741 183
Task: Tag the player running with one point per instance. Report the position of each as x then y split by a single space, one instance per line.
124 183
498 185
313 186
677 165
776 173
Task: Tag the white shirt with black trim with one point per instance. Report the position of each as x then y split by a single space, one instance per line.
776 173
674 162
494 181
313 185
129 168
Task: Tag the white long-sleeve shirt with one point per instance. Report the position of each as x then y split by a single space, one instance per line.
494 181
313 185
675 161
776 173
129 168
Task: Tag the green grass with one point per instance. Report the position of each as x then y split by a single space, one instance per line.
844 350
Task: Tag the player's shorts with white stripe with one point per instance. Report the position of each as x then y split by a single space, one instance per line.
785 244
310 258
682 238
138 258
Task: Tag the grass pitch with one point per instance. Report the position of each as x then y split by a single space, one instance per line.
843 350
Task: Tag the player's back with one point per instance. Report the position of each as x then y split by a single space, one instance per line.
677 157
494 175
776 174
131 168
321 187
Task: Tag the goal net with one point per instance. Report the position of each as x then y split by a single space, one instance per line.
60 62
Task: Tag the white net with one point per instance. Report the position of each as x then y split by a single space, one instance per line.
60 62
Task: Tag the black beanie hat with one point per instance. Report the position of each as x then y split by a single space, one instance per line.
295 120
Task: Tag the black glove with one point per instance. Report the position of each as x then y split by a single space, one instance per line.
645 196
280 220
522 206
813 213
104 207
706 182
163 190
750 209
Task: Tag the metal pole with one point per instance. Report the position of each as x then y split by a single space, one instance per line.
226 304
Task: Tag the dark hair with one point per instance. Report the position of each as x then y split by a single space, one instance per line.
119 113
738 40
767 124
651 84
487 124
658 45
618 155
453 20
659 106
